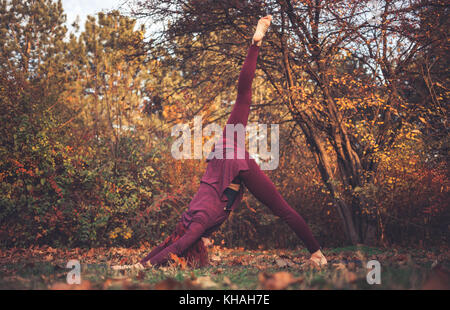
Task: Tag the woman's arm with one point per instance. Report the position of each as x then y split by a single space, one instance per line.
192 235
155 251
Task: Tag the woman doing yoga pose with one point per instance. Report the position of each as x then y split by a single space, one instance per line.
221 189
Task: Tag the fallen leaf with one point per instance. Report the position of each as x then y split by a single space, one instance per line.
284 262
236 261
124 261
218 270
84 285
281 262
339 266
351 277
90 253
215 258
168 284
204 282
48 258
179 262
140 275
277 281
351 265
439 279
116 282
228 282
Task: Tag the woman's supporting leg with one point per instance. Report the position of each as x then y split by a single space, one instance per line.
259 184
192 234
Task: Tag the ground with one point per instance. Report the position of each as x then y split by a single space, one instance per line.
45 268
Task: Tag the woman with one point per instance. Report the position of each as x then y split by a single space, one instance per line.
221 187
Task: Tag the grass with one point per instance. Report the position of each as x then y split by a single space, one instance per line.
44 268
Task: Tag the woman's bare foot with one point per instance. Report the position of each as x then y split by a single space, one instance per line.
318 258
261 29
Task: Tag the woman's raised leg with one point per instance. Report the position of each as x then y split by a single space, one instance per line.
241 109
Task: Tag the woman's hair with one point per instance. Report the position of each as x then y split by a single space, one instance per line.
196 255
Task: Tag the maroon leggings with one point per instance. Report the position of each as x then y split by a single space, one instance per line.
254 179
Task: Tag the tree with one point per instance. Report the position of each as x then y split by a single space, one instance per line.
109 87
32 79
426 80
32 53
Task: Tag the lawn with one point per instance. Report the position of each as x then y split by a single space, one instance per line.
401 268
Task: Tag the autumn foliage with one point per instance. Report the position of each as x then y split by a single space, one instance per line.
86 118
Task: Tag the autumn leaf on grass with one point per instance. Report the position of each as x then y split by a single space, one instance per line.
228 282
360 256
90 253
52 250
204 282
351 265
235 261
168 284
310 265
339 266
400 258
124 283
84 285
350 276
277 281
284 262
140 275
119 282
439 279
172 284
260 263
48 258
124 261
178 261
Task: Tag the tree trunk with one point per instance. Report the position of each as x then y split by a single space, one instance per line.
316 145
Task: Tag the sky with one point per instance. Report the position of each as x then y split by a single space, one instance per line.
83 8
